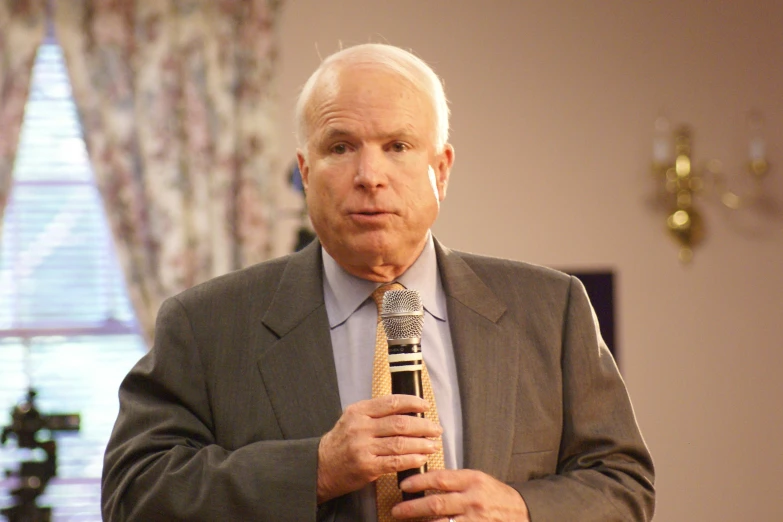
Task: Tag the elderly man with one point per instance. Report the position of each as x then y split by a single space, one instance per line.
259 399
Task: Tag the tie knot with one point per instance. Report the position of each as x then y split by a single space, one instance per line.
377 295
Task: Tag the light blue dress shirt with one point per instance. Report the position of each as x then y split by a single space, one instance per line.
352 322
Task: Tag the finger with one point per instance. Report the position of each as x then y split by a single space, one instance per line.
438 480
395 463
443 505
403 446
406 425
393 405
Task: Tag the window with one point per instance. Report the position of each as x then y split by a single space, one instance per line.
66 325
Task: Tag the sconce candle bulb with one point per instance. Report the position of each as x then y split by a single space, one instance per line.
662 145
757 149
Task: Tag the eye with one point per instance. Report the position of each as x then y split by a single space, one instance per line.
339 148
399 146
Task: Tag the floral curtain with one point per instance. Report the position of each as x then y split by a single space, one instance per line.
179 118
22 28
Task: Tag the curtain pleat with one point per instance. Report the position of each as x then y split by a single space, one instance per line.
22 28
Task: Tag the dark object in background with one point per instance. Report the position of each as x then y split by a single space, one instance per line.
600 290
26 422
304 237
295 177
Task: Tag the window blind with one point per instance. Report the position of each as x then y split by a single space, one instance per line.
58 271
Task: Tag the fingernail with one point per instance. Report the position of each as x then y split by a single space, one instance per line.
405 484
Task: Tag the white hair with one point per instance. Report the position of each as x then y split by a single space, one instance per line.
391 58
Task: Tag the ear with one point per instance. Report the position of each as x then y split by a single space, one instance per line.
442 166
304 168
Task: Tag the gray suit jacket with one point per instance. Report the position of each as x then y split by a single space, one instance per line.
221 420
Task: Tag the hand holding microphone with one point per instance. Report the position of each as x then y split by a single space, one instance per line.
368 439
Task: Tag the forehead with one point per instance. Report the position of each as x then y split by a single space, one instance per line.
368 99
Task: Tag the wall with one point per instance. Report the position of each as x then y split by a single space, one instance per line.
553 108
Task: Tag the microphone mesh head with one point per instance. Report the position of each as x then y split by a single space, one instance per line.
408 319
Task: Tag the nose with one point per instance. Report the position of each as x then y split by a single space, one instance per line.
371 171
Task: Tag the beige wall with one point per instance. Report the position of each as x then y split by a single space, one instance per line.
553 105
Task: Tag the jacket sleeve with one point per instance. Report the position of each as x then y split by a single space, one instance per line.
604 471
162 462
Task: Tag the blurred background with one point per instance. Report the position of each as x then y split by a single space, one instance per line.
155 147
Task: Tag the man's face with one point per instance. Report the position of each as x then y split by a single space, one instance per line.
373 180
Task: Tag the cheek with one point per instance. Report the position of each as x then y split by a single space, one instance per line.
325 196
317 194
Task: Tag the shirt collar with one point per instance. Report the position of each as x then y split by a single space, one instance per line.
344 293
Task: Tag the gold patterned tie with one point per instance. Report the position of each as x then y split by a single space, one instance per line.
387 493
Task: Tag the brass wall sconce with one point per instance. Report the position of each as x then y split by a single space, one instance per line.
679 182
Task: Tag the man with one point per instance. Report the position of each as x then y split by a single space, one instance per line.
255 402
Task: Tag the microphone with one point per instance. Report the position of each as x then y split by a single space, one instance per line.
402 316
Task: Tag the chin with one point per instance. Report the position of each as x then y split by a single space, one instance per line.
379 251
373 253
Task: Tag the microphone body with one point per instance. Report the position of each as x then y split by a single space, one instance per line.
406 379
403 319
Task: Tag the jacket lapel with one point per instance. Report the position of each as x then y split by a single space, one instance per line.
298 370
487 364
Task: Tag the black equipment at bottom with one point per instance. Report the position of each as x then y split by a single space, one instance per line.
26 422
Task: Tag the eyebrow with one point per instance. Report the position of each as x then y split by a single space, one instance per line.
336 132
333 133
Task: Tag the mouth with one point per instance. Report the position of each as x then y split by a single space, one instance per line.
370 212
369 216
